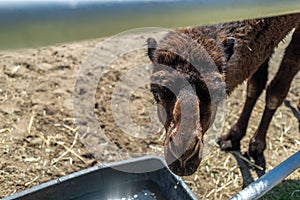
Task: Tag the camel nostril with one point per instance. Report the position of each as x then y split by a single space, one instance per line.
173 152
190 168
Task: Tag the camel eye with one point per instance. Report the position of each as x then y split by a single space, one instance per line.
162 93
156 95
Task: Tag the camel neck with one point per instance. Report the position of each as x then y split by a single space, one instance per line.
253 47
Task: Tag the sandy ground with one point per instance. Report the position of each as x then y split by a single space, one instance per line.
40 139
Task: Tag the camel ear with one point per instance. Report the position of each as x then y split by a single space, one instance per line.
152 44
228 44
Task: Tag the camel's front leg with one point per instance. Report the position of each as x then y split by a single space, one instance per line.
255 86
276 93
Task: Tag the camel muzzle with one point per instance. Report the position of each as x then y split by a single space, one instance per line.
186 163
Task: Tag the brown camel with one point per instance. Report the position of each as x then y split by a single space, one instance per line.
194 69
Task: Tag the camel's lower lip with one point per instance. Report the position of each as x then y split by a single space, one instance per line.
184 170
184 165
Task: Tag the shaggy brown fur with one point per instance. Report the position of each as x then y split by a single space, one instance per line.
195 67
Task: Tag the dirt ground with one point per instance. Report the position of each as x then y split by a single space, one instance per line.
40 140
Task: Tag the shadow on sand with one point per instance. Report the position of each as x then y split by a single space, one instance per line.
245 166
294 110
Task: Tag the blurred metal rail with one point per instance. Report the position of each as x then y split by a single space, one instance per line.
265 183
39 23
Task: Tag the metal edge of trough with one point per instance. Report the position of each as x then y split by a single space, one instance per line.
38 24
159 163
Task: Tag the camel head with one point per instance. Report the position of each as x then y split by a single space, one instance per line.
184 102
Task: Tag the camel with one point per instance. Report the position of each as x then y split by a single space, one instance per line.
194 68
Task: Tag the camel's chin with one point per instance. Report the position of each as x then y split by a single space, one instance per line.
181 166
188 170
